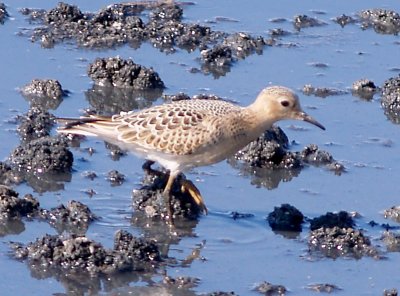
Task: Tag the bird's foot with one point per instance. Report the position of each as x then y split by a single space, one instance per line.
191 189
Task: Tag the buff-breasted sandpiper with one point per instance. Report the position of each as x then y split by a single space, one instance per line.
189 133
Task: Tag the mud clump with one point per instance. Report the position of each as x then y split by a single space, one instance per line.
43 88
268 162
391 292
381 20
304 21
176 97
181 282
285 218
8 176
123 73
219 56
124 23
11 206
269 151
390 99
341 242
344 20
151 200
391 240
44 93
329 220
333 236
364 89
115 178
323 288
43 155
63 13
35 124
73 218
312 155
266 288
322 92
218 59
3 13
78 254
243 44
392 213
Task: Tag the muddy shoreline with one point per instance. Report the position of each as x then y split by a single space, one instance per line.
44 161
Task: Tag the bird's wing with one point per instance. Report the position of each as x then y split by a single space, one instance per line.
177 128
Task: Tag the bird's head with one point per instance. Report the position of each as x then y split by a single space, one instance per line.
278 103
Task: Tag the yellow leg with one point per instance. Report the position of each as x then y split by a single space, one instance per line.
188 186
167 195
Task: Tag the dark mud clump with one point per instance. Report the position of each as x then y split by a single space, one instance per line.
381 20
35 124
43 155
304 21
150 199
243 44
3 13
390 100
63 13
312 155
73 218
44 93
165 26
11 206
43 88
344 20
73 255
268 161
181 282
217 60
341 242
124 23
364 89
391 292
391 240
393 213
333 235
8 176
176 97
115 178
329 220
123 73
266 288
322 92
269 151
323 288
285 218
115 151
221 293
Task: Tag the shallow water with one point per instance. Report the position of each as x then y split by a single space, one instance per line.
237 253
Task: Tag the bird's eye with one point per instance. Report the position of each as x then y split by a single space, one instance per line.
285 103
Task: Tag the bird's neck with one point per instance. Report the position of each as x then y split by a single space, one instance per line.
258 117
255 124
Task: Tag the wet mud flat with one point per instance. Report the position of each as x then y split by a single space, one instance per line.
44 160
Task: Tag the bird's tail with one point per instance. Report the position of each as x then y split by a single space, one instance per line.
92 125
